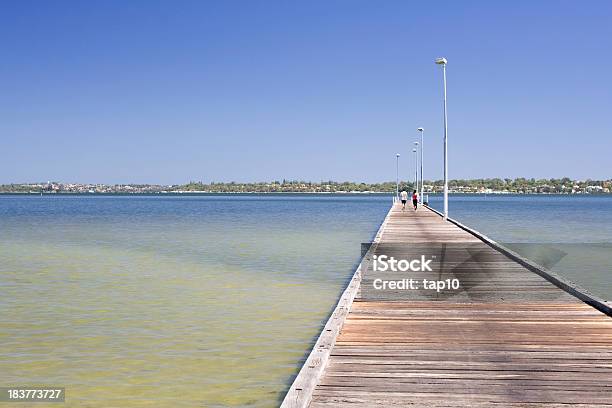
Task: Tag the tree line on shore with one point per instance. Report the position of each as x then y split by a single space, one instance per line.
485 185
517 185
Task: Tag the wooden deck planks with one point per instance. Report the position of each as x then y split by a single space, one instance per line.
513 339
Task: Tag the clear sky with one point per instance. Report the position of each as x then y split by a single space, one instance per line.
173 91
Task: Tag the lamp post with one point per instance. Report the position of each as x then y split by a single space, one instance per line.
443 62
397 156
416 164
421 131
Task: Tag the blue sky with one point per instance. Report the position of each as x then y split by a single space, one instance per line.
172 91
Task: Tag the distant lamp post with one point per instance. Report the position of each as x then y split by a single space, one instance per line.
443 62
397 156
416 166
421 131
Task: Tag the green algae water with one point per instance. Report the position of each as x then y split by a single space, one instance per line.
171 301
214 301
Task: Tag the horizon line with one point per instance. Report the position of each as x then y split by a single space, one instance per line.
293 181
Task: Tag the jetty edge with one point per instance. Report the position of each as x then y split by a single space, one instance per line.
604 306
300 392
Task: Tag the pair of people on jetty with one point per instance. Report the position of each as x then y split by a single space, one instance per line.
404 198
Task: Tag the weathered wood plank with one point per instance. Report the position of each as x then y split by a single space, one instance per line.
511 338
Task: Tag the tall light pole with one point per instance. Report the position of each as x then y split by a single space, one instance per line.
397 156
443 62
416 187
416 166
421 131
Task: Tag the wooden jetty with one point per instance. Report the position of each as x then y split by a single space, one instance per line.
516 335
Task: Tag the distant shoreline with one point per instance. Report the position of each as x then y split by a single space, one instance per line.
215 193
456 186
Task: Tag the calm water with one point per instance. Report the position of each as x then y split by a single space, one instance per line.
171 301
213 301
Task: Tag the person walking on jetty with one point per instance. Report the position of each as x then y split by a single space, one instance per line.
415 199
404 198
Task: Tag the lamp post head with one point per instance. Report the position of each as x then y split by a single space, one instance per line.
420 129
441 61
416 143
414 150
397 155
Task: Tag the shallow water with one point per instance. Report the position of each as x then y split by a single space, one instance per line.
171 301
191 301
